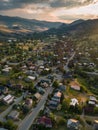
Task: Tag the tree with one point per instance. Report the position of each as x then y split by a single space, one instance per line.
61 121
56 84
30 87
10 125
65 104
96 110
52 116
1 124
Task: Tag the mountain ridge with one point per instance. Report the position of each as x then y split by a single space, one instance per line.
29 24
17 27
84 27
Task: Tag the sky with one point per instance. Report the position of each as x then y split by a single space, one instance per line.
51 10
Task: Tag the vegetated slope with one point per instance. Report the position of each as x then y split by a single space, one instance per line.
31 25
77 28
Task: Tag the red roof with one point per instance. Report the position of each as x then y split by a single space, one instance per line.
44 120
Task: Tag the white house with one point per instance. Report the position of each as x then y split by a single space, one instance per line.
8 99
74 101
31 77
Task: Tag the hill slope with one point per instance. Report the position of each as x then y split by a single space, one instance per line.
77 28
17 27
31 25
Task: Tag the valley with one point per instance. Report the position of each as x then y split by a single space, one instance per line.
48 75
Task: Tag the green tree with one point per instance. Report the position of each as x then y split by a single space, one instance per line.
1 124
10 125
55 84
65 104
96 110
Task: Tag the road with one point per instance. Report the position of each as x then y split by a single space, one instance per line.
71 58
28 120
92 73
3 114
90 118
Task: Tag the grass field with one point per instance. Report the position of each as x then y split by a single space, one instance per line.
2 107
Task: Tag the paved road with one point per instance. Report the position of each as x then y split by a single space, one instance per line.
28 120
71 58
3 114
92 73
91 118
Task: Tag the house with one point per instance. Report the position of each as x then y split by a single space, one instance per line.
58 95
40 62
29 72
8 99
1 97
45 81
53 104
3 89
92 98
62 88
88 109
8 84
13 115
28 103
6 70
41 67
74 102
96 105
32 78
74 85
44 85
32 67
47 111
40 90
37 96
24 67
46 69
92 101
55 100
96 125
68 75
73 124
45 121
17 87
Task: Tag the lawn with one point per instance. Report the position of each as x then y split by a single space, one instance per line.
22 115
60 128
3 78
2 107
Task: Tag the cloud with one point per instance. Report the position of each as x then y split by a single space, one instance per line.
87 12
70 3
70 18
50 10
12 4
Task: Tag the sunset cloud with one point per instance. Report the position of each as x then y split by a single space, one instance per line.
50 10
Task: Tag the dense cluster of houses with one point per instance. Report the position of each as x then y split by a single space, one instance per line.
31 71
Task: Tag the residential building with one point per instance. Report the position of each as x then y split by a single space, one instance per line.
13 115
73 124
45 121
